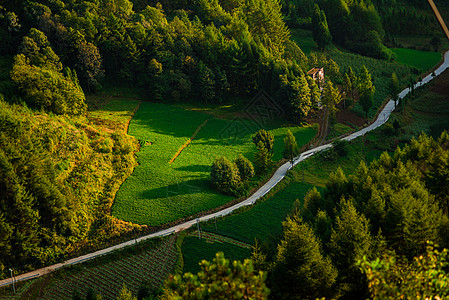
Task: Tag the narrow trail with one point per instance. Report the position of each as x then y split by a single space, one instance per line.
274 180
324 128
188 141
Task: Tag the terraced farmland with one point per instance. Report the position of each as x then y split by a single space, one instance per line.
152 266
159 192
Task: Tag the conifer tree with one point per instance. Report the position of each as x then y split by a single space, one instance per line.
291 147
301 271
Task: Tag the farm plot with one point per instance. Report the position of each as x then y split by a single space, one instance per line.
159 192
264 220
195 250
151 266
422 60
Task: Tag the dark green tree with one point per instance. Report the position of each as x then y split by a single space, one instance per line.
245 167
224 176
350 241
301 271
320 29
291 147
262 159
266 138
394 88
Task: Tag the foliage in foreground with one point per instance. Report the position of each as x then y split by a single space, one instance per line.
425 277
219 279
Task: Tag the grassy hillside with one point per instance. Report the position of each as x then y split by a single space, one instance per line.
158 191
59 178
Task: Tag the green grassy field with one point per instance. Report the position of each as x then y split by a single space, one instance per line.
194 250
422 60
159 192
264 220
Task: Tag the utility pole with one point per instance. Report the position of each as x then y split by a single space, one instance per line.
12 279
198 225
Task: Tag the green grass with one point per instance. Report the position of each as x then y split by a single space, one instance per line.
422 60
264 220
194 250
159 192
303 39
338 129
380 71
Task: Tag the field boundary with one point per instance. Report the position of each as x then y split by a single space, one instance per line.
188 141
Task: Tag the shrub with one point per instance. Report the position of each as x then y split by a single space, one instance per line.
224 176
266 138
341 147
245 168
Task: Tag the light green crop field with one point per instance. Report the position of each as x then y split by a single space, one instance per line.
423 60
264 220
159 192
194 250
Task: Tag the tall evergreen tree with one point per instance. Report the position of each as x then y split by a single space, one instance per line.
301 271
320 29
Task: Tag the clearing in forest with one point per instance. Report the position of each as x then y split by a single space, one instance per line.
159 192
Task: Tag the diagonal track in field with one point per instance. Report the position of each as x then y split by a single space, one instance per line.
188 141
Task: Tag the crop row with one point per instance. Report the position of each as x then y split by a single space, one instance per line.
151 265
213 237
194 250
264 220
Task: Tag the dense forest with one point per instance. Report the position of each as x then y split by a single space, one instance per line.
393 206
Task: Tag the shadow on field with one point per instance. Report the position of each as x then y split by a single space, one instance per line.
188 187
195 168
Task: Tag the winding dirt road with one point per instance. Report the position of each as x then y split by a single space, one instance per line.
275 179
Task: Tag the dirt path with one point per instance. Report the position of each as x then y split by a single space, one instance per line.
188 141
280 173
324 127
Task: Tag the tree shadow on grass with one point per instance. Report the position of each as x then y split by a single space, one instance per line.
194 168
187 187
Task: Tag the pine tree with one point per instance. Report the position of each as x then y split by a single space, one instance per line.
350 241
320 29
262 158
394 88
219 279
300 97
245 168
301 271
331 96
291 147
266 138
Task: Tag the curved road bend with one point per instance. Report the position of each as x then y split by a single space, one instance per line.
277 176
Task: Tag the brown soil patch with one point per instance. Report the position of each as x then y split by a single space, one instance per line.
441 85
349 118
